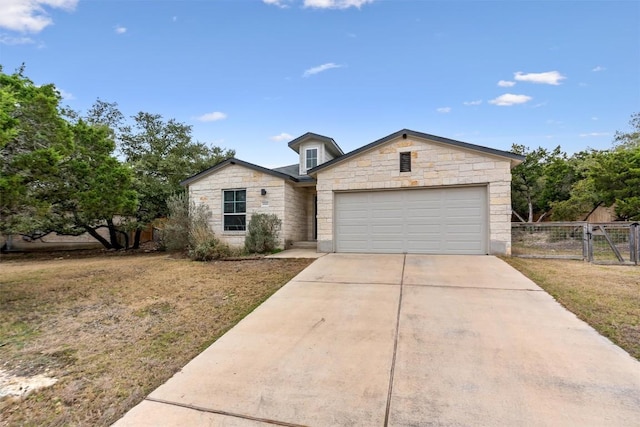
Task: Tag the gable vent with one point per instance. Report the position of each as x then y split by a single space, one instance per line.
405 162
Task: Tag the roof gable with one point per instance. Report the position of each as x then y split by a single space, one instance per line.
234 161
331 146
515 159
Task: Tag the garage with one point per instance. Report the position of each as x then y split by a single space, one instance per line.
425 220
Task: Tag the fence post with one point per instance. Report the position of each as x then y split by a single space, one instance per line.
585 242
637 227
634 242
589 242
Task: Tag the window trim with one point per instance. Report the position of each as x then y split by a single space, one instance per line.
234 213
306 158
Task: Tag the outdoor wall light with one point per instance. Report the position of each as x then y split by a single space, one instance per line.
263 192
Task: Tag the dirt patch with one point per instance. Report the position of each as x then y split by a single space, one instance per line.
13 386
605 296
113 328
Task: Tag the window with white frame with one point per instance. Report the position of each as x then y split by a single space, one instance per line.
311 158
235 210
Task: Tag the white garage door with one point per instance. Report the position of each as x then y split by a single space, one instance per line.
431 221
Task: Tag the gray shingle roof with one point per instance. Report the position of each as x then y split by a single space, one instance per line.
234 161
294 171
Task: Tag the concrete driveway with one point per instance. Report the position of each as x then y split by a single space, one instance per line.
377 340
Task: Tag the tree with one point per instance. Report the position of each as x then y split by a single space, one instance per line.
610 177
162 154
34 139
583 196
97 187
616 177
629 139
544 177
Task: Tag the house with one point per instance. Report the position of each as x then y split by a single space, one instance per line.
408 192
601 214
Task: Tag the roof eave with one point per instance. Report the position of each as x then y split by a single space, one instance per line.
515 159
295 144
234 161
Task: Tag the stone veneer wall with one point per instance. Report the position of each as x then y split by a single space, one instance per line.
311 210
208 191
432 164
294 223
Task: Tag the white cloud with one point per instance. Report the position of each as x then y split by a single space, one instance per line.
598 68
320 68
587 135
119 29
468 103
594 118
443 110
509 99
548 78
212 117
282 137
335 4
67 96
280 3
506 83
30 16
8 40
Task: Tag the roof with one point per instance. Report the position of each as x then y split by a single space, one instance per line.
234 161
515 158
330 144
294 171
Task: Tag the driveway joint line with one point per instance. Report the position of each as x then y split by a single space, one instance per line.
345 283
395 347
225 413
486 288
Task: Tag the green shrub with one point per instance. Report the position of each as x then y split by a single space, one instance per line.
262 233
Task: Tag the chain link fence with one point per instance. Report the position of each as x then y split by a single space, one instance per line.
615 243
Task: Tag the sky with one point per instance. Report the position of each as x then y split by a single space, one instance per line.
252 75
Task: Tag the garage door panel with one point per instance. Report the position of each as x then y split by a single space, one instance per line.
451 220
463 228
423 229
386 214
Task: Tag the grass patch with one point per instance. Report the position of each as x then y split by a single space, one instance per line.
606 297
113 328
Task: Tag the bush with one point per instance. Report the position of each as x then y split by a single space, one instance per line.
187 229
262 233
175 234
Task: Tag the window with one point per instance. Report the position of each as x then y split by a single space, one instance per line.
311 157
405 162
234 210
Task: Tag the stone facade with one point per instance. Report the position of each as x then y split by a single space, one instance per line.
433 164
295 213
208 191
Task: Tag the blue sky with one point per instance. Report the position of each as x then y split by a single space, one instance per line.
253 74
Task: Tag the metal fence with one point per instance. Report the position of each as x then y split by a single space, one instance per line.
605 243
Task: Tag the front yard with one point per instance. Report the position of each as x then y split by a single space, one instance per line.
605 296
111 329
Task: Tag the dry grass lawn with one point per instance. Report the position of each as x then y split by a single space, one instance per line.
113 328
605 296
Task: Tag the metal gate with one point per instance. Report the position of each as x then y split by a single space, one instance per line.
602 243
